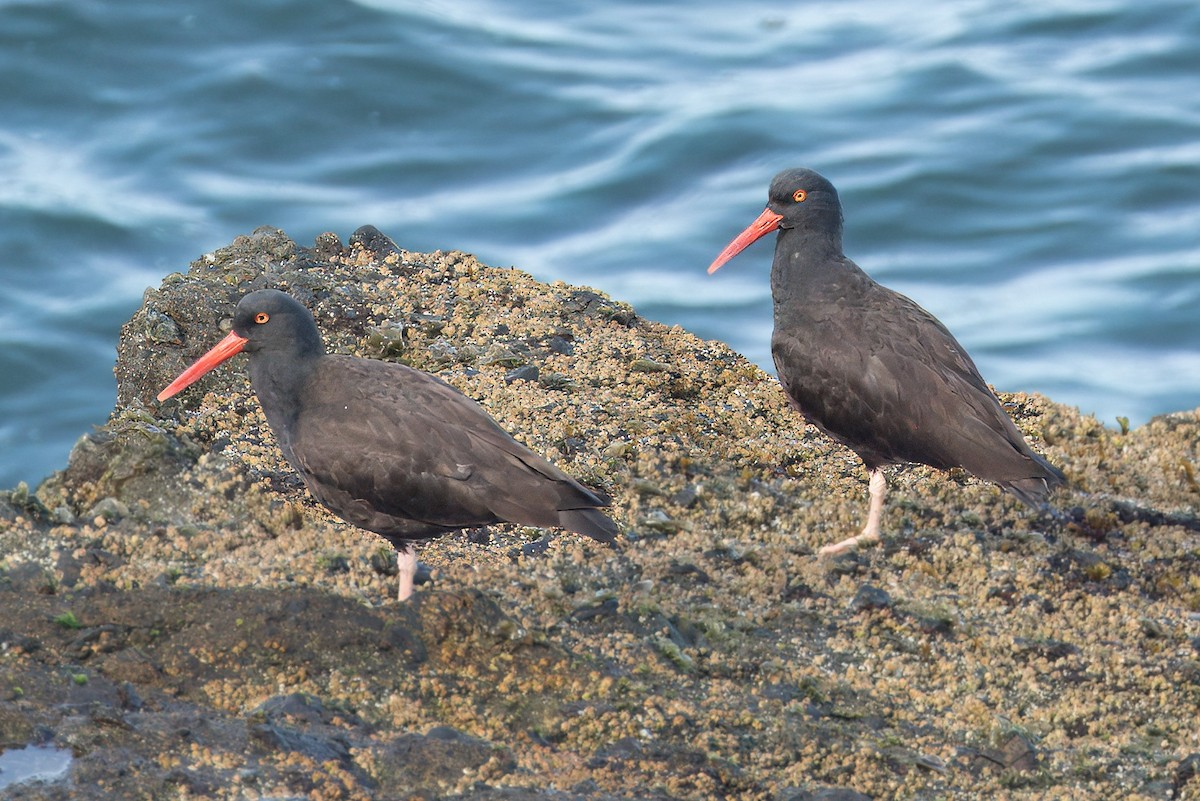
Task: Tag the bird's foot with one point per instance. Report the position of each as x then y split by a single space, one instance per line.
870 532
850 543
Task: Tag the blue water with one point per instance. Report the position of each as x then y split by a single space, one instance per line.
1029 172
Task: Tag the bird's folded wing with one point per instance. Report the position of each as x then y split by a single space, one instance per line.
410 444
893 384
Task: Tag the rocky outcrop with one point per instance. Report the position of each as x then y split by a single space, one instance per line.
180 615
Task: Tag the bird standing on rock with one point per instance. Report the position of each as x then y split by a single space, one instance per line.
870 367
387 447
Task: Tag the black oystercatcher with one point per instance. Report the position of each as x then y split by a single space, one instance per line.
870 367
389 448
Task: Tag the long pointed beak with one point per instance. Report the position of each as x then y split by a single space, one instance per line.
767 222
227 348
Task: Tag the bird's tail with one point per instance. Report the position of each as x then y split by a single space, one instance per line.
1033 490
591 522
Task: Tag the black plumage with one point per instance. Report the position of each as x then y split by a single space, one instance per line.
871 368
389 448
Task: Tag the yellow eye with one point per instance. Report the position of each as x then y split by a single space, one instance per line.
261 317
799 195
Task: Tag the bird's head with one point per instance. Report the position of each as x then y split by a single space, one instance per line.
269 320
266 321
798 198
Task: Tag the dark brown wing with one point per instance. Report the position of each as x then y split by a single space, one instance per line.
884 377
398 451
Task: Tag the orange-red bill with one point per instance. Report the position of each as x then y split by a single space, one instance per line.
228 347
767 222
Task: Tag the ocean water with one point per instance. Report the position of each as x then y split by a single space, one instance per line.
1029 172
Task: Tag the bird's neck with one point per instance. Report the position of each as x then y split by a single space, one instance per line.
279 384
803 257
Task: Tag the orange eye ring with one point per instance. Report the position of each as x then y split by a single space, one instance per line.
261 317
799 195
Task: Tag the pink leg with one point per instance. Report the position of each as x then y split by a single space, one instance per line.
870 532
406 564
